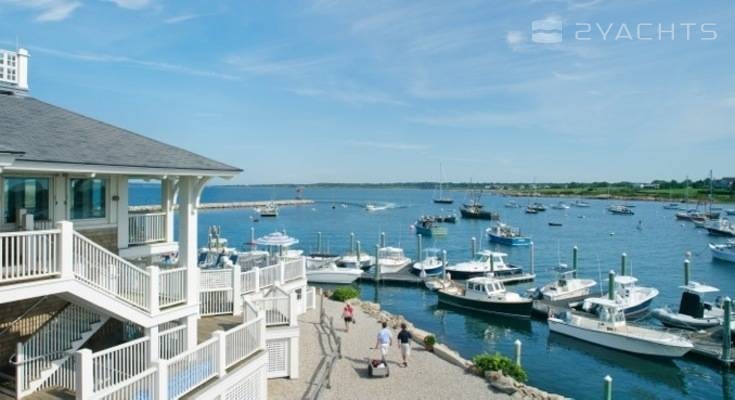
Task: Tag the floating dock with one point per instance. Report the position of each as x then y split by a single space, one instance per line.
226 205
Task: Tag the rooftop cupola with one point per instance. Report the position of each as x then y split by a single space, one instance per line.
14 70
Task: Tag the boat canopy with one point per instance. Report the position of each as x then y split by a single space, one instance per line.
698 288
603 302
279 239
625 280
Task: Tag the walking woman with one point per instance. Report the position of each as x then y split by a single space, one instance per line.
348 316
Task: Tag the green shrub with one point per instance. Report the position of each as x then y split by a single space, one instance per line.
498 362
429 340
344 293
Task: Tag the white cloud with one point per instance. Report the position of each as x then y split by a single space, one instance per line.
181 18
132 4
261 65
349 93
49 10
515 40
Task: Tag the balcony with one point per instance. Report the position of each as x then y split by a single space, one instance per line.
148 234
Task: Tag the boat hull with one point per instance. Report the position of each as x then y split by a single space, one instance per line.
720 232
617 341
431 271
676 320
339 277
443 201
480 214
521 309
722 255
429 232
639 309
509 241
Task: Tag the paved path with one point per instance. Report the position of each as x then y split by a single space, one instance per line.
426 377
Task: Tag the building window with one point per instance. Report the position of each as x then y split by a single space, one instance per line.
88 198
29 193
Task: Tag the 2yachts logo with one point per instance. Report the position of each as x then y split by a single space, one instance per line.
548 30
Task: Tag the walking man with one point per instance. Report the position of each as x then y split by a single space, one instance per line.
385 340
404 342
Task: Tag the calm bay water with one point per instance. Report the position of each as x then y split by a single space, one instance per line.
554 363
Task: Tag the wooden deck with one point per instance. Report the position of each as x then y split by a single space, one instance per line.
207 325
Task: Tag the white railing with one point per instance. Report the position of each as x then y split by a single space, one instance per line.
215 302
248 281
293 269
215 278
120 363
106 271
242 341
147 228
141 386
28 255
64 377
276 310
172 287
191 369
51 344
172 342
43 225
270 275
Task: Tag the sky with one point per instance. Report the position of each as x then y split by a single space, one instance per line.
385 91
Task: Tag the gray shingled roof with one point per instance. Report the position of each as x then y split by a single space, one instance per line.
52 134
8 150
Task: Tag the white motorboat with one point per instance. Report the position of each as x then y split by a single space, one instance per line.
560 206
693 313
566 287
723 252
580 204
620 210
672 206
721 227
437 283
633 299
488 295
430 265
270 210
609 329
325 270
392 260
351 260
374 207
486 262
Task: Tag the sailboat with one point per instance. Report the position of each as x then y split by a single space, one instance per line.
442 199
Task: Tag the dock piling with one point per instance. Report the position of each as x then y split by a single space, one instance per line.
252 238
419 243
319 242
726 332
473 247
518 345
608 387
444 265
352 242
382 239
533 258
622 264
611 285
377 264
574 262
357 255
686 272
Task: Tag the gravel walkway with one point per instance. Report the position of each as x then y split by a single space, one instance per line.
426 377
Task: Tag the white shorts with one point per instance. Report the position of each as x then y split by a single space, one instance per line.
405 349
384 349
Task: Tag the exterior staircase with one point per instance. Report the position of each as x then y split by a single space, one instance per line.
46 359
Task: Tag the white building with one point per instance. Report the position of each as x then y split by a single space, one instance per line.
82 312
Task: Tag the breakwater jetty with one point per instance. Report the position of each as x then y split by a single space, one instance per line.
226 205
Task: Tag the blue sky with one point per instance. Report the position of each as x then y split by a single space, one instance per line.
378 91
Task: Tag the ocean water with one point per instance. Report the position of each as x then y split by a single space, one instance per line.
555 363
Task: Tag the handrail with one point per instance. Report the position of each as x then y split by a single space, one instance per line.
172 287
29 255
116 364
146 227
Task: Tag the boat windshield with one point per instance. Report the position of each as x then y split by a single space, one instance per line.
494 287
611 314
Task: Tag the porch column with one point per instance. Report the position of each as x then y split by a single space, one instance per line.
188 250
59 198
167 206
155 343
121 204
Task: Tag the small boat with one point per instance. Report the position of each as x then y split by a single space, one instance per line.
487 295
555 224
723 252
609 329
512 204
430 265
428 227
530 210
560 206
633 299
580 204
351 260
450 219
270 210
373 207
486 262
722 227
672 206
566 286
442 198
325 270
620 210
507 235
437 283
694 313
730 211
474 212
392 260
539 207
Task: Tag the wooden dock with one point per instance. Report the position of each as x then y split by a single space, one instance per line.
227 205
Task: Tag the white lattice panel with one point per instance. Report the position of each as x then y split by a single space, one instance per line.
277 358
247 389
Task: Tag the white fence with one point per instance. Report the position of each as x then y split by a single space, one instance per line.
110 273
119 363
191 369
147 228
28 255
276 309
269 275
142 386
310 298
172 284
172 342
293 269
